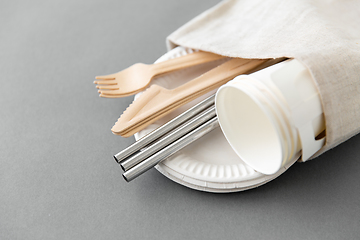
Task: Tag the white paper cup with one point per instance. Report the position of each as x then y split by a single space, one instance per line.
269 116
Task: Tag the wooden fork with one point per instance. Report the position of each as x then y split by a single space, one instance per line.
137 77
157 101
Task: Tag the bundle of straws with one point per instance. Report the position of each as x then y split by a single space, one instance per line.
168 139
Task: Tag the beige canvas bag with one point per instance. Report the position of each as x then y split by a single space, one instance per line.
324 35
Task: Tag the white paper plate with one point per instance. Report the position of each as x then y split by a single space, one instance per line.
209 164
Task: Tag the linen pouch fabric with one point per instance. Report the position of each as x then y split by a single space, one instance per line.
324 35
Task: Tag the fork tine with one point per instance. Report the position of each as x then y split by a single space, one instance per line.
108 96
110 92
106 82
106 77
108 87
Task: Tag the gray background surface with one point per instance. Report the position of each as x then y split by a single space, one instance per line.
57 176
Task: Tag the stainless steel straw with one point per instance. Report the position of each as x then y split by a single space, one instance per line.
170 149
171 137
161 131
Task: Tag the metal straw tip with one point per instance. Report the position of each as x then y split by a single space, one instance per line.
122 167
116 160
125 178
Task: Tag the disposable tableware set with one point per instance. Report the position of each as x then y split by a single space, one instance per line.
284 87
156 102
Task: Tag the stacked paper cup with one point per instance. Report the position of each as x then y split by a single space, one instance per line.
272 115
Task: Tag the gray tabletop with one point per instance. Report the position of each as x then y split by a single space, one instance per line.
57 176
